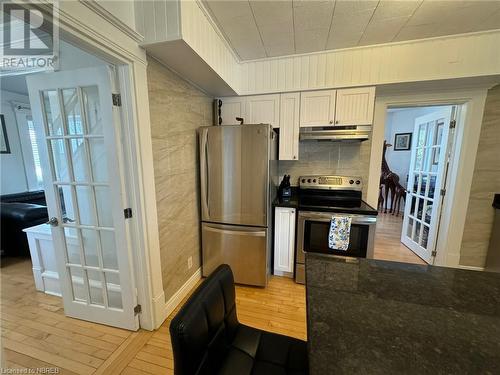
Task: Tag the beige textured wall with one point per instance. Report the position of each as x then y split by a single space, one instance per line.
177 110
485 183
329 158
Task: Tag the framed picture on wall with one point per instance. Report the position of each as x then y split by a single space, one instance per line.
4 140
402 141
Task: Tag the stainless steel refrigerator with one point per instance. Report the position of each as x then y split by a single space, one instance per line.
238 183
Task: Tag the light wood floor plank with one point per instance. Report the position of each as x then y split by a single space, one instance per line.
44 355
121 357
148 367
133 371
388 244
36 333
29 362
155 359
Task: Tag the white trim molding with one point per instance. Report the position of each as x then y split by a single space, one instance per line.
210 53
183 291
111 18
91 31
471 268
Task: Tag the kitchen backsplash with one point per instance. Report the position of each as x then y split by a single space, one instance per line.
329 158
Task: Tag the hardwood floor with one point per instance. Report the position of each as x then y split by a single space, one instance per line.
35 333
388 244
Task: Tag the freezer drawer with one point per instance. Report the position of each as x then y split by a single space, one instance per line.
245 249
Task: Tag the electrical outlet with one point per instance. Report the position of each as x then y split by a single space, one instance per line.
190 262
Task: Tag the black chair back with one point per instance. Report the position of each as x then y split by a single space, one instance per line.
204 328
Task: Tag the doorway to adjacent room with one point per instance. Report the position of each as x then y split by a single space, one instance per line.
64 196
415 159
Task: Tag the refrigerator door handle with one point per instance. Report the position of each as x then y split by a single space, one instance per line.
252 233
204 174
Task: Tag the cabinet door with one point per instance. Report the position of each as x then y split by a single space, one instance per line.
231 108
284 241
355 106
317 108
263 109
289 126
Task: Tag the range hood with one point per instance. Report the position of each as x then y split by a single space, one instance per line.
336 133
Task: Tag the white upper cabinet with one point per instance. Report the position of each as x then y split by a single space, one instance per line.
289 126
317 108
355 106
232 108
263 109
308 109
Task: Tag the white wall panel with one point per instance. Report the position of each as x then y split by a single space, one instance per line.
459 56
440 58
199 32
158 20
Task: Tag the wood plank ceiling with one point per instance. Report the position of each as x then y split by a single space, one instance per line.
259 28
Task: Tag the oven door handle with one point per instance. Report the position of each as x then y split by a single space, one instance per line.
355 219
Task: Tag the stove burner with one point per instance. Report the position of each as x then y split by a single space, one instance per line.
339 196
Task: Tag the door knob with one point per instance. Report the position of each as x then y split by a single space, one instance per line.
53 222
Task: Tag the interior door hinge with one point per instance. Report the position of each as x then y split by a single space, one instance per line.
137 309
127 213
434 253
443 192
453 124
117 100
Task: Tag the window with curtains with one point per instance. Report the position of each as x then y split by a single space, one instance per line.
34 149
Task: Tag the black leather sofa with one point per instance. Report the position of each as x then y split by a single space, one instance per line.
208 339
19 211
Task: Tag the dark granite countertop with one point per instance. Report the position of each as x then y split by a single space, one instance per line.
369 316
292 202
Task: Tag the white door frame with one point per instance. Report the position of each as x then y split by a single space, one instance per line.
458 184
84 27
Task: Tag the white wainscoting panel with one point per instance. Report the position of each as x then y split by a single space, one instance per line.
431 59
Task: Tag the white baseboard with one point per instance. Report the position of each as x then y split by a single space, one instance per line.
472 268
177 298
283 273
158 307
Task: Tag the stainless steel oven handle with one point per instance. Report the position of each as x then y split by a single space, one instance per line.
355 219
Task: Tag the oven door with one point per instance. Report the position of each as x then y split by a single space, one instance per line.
312 236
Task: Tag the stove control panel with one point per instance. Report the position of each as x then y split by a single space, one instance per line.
331 182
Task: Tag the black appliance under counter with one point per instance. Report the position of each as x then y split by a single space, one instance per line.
369 316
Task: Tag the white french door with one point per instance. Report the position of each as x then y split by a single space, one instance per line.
77 132
429 157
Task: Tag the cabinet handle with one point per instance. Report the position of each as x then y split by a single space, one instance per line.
331 121
295 157
337 121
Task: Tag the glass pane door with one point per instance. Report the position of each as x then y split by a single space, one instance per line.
425 182
83 186
76 144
